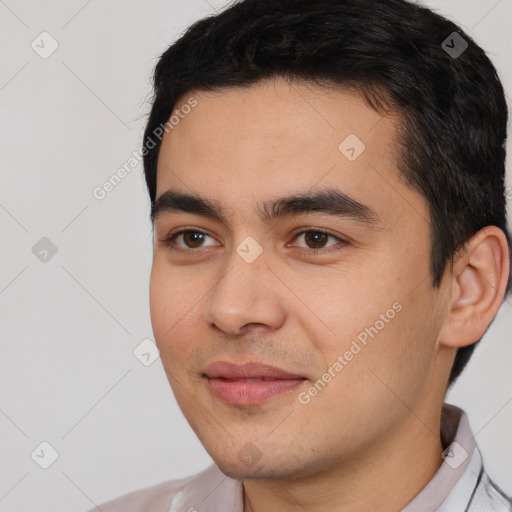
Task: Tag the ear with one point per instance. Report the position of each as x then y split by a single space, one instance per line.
478 283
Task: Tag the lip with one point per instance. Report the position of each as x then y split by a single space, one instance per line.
228 382
247 371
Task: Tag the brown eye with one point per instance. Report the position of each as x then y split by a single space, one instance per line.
316 239
192 239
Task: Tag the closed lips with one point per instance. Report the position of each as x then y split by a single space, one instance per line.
260 379
248 372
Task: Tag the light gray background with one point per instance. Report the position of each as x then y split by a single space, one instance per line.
69 326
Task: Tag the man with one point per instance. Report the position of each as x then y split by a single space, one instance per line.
327 187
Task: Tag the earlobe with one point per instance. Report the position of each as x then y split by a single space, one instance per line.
479 280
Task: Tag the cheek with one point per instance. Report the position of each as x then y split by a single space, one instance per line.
174 308
345 308
402 355
382 330
160 303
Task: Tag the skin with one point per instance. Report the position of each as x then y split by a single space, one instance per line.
370 438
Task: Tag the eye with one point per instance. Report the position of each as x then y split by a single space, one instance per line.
316 239
192 238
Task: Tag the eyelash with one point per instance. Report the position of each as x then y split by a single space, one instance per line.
169 242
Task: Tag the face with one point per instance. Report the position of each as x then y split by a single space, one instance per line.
334 295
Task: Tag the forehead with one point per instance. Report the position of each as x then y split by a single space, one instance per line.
273 115
241 146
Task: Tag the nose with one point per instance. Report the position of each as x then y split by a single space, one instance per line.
246 295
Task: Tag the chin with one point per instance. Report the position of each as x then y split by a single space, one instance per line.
239 471
240 467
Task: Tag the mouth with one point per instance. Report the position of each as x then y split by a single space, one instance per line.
250 383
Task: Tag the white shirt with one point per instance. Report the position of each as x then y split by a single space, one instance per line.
460 484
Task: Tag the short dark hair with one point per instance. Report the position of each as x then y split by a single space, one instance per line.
396 54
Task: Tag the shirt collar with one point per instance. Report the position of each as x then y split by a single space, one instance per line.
457 472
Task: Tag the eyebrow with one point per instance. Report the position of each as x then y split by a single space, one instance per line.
329 201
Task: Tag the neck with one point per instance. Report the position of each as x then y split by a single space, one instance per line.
385 477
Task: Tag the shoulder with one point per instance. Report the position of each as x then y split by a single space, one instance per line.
156 498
